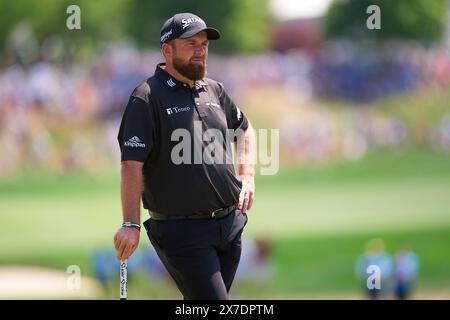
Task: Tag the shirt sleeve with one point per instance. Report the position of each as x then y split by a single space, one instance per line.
136 133
235 117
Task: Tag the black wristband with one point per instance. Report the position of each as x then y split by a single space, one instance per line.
129 224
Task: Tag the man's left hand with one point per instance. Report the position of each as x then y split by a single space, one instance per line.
247 193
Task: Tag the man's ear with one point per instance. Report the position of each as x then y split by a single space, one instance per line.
166 50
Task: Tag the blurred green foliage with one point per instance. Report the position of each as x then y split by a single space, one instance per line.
421 20
99 19
244 24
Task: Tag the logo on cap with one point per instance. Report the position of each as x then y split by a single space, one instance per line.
188 21
166 35
185 25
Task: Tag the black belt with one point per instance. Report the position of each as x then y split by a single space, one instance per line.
219 213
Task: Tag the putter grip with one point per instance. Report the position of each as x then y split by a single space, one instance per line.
123 280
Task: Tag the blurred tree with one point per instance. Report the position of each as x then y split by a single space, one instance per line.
33 29
40 16
244 24
102 20
421 20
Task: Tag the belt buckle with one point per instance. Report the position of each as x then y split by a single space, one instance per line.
213 214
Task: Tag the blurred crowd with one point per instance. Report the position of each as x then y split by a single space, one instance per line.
368 73
64 113
383 276
255 266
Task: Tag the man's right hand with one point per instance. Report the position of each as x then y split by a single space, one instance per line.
126 240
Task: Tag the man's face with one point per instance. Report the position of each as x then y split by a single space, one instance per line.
189 56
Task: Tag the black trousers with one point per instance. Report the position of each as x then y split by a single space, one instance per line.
201 255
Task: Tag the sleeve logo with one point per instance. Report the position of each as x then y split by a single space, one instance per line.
134 142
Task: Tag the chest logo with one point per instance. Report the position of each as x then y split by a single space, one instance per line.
175 110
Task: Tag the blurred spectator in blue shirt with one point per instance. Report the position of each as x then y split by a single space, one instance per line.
375 258
406 267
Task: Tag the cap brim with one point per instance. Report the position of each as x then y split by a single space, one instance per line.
211 33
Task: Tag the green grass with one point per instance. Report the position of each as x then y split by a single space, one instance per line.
318 218
314 264
386 191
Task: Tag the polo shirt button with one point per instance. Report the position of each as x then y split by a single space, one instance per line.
197 103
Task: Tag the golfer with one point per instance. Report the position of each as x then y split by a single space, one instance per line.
175 139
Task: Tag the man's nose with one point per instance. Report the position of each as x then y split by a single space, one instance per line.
200 50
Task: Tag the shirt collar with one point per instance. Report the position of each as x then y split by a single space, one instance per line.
173 83
200 84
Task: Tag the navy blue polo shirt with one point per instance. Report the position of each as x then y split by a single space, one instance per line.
171 128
